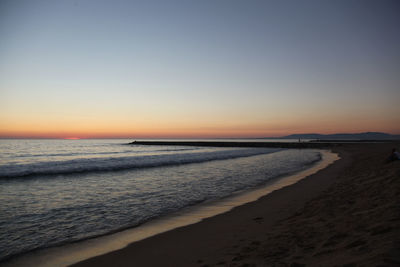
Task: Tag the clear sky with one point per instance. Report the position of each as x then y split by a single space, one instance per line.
92 68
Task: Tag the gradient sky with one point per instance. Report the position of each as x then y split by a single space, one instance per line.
89 68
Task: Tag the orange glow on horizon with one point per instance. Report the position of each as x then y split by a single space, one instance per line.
183 133
193 127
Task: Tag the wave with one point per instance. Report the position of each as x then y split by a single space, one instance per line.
86 165
69 154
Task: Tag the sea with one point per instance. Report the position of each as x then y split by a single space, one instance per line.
55 192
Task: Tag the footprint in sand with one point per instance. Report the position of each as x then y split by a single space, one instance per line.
258 219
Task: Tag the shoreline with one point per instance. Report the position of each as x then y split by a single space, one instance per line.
345 214
81 250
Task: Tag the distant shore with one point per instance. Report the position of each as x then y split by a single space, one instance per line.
239 144
346 213
318 144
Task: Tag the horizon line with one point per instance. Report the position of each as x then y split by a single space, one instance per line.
190 137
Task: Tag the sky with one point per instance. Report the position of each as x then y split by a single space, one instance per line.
153 69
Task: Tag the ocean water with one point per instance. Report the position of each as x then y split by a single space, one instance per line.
54 192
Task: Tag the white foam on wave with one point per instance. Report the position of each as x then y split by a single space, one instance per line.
82 165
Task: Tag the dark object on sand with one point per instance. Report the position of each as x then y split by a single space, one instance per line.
394 156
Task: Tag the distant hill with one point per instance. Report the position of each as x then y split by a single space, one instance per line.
345 136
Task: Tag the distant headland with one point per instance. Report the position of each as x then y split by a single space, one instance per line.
343 136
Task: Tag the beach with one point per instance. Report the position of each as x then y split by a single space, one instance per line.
345 215
199 133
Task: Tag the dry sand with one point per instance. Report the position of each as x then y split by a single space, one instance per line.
345 215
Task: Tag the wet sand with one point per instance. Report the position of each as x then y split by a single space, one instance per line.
346 214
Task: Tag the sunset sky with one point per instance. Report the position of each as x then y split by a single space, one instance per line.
89 68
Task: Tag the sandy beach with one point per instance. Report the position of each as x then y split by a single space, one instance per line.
199 133
347 214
